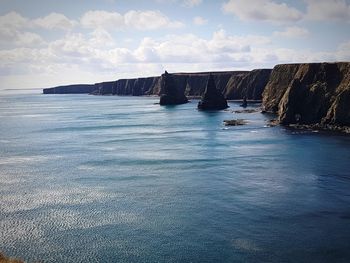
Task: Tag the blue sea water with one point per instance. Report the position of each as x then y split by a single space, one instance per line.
121 179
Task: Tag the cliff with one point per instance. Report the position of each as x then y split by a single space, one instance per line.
309 93
71 89
249 85
233 84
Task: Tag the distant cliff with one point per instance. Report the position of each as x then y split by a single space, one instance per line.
232 84
71 89
309 93
305 94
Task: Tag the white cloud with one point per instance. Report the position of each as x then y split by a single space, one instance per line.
97 52
54 21
293 32
199 21
343 51
14 37
149 20
13 20
101 38
262 10
102 19
191 3
328 10
140 20
26 39
189 48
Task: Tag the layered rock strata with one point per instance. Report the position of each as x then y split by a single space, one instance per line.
192 84
309 93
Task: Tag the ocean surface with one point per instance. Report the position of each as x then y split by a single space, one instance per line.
121 179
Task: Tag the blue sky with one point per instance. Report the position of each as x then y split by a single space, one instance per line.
46 43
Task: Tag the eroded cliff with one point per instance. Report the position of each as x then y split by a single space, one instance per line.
232 84
310 93
249 84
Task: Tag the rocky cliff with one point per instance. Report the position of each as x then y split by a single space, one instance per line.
309 93
170 92
249 84
233 84
212 98
71 89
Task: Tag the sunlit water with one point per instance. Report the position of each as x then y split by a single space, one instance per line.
121 179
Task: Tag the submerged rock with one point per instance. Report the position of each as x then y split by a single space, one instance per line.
244 103
235 122
248 110
170 94
212 98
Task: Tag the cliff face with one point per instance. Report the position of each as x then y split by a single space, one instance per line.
309 93
250 85
195 83
136 87
228 83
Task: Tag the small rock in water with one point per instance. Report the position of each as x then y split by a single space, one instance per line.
235 122
247 111
272 123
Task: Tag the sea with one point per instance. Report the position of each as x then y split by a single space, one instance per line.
122 179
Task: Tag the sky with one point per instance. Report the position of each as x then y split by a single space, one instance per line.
45 43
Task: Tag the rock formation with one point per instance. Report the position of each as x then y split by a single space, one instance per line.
212 98
310 93
170 93
237 122
193 84
303 94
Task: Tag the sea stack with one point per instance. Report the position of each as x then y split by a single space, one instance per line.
169 92
212 98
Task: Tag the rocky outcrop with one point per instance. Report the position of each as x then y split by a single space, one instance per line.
249 85
309 93
171 93
212 98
